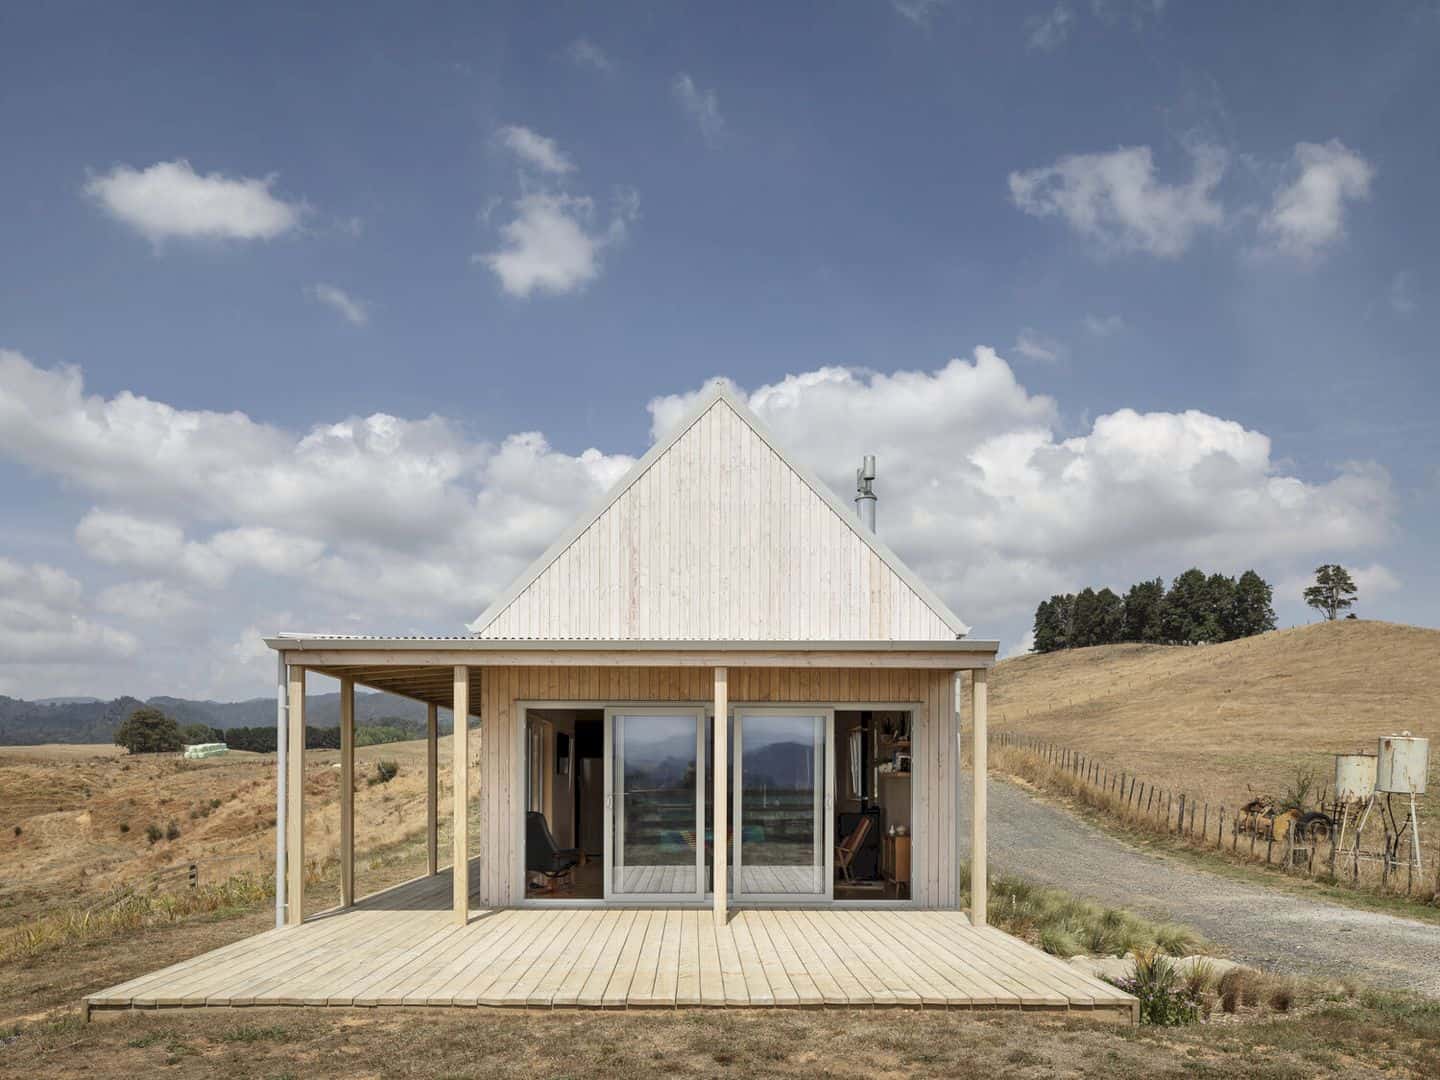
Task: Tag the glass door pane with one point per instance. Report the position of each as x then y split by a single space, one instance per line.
654 759
782 804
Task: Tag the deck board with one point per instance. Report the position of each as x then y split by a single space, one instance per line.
402 947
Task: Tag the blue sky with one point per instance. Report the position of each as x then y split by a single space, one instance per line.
1196 241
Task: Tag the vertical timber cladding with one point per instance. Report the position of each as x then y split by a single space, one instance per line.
934 871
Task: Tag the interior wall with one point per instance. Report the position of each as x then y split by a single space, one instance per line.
934 871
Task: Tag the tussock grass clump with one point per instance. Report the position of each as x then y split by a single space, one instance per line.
1165 998
1065 925
124 911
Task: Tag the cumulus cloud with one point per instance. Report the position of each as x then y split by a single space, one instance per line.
337 299
1308 215
171 200
1116 201
409 515
42 619
585 53
552 244
146 599
536 150
384 523
554 239
1048 31
983 495
702 106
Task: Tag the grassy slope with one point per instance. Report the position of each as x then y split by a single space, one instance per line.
1226 721
69 808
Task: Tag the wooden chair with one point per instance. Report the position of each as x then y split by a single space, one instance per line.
846 849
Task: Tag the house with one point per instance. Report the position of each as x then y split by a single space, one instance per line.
713 757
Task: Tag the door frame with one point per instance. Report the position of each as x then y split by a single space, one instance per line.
825 810
615 809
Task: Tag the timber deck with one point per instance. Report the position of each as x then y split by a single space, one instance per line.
401 947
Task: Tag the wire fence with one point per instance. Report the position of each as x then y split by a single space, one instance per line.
1308 843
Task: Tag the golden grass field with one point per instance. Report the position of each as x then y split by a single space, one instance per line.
70 804
1227 722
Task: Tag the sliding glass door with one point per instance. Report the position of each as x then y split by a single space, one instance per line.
783 834
654 763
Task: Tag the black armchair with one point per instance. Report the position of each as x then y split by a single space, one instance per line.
542 856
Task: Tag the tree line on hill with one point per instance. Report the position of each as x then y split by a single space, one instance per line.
1195 608
148 730
90 720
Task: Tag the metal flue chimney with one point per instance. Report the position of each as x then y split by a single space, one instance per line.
865 492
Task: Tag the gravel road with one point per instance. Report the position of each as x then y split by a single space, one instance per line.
1256 925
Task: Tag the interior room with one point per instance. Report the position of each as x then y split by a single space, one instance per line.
565 804
778 811
872 805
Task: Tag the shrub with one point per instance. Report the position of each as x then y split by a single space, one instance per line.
153 832
172 831
215 803
124 826
385 771
147 730
1165 1000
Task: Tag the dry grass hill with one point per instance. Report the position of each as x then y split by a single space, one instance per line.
1226 721
74 819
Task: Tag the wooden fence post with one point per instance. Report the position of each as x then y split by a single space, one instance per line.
1180 822
1220 828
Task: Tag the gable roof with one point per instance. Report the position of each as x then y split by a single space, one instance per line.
717 534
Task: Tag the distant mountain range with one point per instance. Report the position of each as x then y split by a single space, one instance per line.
90 720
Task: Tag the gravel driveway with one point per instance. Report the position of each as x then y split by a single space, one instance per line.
1264 927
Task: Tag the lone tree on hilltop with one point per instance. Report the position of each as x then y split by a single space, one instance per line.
1334 590
147 730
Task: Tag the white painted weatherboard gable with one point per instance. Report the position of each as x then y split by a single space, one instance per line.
716 535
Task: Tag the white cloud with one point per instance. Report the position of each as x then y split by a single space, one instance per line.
1049 31
983 496
585 53
552 245
1308 215
336 298
1033 345
703 106
1025 645
1374 580
536 150
148 599
42 619
918 12
1115 200
171 200
381 523
409 516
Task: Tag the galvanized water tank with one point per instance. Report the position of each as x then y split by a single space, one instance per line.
1402 764
1354 777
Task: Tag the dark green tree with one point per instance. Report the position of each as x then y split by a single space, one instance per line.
200 733
1083 625
1252 611
1107 622
1334 590
1216 612
147 730
1182 617
1143 604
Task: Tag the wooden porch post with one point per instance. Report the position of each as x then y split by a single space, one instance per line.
460 773
347 791
979 878
295 796
720 822
432 784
